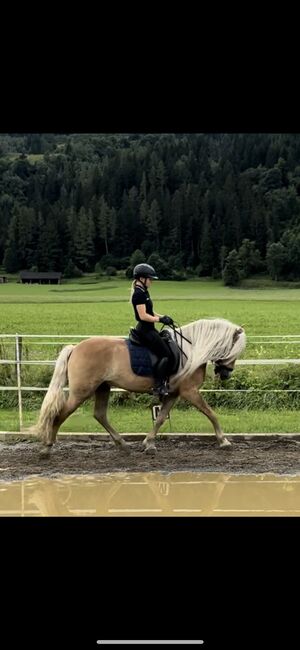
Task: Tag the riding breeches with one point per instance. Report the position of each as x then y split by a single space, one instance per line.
155 344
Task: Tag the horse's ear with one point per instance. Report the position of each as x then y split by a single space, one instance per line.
236 334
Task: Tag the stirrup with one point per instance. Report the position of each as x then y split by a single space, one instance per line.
162 390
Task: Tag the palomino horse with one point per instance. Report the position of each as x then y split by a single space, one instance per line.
96 364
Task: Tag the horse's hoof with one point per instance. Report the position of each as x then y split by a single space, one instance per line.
45 452
125 448
225 443
150 450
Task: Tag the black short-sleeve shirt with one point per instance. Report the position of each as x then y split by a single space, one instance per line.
141 296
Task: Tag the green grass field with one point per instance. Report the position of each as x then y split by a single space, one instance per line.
90 306
139 420
102 307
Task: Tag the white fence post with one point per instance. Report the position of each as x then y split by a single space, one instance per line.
155 413
19 383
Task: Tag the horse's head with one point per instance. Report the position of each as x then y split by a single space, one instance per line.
224 367
223 371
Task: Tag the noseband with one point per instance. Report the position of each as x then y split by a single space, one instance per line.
223 371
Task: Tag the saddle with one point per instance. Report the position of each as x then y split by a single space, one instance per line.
143 361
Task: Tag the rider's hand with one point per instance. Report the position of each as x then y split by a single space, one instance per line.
166 320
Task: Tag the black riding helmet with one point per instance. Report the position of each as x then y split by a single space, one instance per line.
144 271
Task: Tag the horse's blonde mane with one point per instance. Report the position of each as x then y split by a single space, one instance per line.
211 340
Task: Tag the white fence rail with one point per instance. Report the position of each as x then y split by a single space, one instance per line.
18 361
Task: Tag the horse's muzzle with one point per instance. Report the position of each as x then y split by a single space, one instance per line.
223 371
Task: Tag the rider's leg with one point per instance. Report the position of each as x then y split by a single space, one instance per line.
160 374
155 344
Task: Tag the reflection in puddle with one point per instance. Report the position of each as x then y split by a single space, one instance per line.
153 494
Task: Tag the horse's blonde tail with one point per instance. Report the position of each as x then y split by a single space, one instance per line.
54 398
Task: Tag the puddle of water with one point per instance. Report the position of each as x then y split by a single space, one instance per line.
183 494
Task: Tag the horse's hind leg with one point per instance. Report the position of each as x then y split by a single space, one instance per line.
68 408
101 402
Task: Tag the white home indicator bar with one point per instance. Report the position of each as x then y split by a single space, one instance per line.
135 642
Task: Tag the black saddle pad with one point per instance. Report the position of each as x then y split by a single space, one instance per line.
140 359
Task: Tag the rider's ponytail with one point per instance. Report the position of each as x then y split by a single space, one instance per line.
132 290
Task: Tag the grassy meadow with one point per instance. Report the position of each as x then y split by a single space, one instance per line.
92 306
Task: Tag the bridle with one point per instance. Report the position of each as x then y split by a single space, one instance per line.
223 371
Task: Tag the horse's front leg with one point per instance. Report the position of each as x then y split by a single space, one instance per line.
149 441
191 394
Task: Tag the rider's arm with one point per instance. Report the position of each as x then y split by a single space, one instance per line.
141 309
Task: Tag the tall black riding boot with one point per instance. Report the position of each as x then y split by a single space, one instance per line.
160 381
160 388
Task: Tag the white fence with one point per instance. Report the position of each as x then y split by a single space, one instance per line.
64 339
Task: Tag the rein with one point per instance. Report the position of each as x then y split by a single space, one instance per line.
181 336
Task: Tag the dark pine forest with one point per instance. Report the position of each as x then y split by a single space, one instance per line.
219 205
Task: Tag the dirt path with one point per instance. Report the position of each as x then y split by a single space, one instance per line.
272 454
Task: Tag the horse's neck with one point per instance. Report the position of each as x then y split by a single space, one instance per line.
193 329
185 341
192 332
189 329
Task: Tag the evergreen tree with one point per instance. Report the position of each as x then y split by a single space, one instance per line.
250 258
103 223
206 250
83 241
11 260
276 259
137 257
152 224
232 270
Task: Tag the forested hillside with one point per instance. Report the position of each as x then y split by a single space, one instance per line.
188 202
